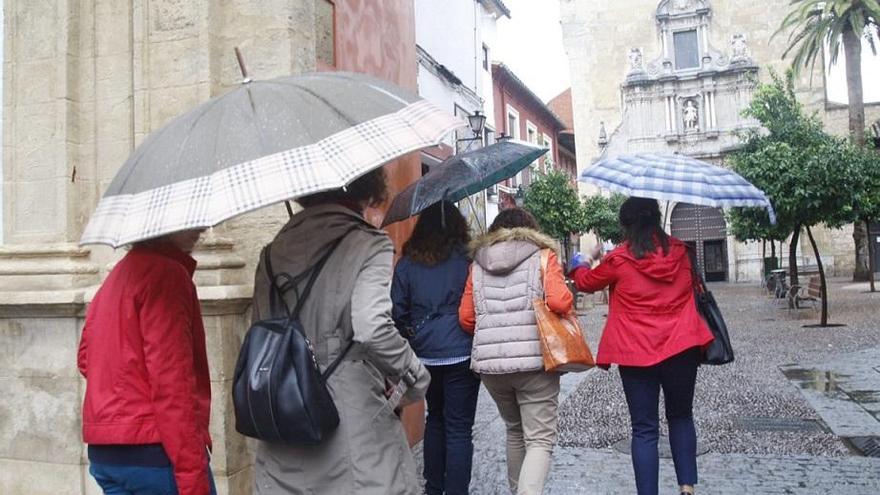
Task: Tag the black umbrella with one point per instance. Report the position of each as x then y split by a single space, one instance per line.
462 175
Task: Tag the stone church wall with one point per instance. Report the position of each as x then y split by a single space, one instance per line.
598 38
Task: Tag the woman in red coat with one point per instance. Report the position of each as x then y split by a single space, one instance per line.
654 334
148 392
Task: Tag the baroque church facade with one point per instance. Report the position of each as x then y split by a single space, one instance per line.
674 76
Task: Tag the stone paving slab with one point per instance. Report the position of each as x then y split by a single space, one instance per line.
844 390
582 471
578 470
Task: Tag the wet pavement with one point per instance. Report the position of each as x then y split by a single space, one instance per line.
844 391
779 420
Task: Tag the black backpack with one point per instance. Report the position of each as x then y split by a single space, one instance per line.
279 392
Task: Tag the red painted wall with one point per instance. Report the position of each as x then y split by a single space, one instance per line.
506 92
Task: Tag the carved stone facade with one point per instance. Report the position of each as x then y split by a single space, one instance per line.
674 76
689 96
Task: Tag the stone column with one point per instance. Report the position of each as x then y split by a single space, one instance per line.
85 82
48 160
48 143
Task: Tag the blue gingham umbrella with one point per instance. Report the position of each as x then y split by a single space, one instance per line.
676 178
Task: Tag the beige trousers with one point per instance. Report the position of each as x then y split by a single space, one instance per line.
527 403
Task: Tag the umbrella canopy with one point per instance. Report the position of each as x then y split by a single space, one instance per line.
675 178
461 175
261 143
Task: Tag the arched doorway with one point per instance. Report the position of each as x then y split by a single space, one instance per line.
704 229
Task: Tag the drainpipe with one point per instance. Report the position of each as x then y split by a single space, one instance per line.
477 49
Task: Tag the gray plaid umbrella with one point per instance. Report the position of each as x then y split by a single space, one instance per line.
261 143
461 175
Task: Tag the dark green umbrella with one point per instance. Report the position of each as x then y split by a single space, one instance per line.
462 175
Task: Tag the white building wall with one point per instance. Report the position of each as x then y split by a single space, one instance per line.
449 31
489 34
2 186
452 33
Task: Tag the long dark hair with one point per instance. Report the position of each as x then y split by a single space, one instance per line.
441 228
370 189
512 218
640 219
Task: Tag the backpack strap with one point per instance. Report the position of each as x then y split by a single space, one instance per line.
315 271
276 292
332 367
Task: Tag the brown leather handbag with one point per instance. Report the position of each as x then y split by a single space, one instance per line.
562 341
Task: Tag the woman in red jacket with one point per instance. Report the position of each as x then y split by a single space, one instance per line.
654 334
148 393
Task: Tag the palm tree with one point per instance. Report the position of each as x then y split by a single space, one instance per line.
815 24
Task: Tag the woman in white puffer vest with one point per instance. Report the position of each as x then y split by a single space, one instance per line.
497 305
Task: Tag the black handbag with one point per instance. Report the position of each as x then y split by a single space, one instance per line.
279 393
720 351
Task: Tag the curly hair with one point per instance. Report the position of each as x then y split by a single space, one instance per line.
512 218
370 189
440 228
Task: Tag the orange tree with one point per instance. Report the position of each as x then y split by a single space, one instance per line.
814 24
811 177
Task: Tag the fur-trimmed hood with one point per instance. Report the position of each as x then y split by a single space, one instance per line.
501 251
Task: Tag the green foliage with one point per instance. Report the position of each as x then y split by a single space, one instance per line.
810 176
554 202
815 23
781 115
752 224
868 199
602 216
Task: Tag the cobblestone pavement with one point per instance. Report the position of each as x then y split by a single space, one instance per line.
761 429
749 406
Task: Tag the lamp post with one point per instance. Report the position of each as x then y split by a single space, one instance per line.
475 216
477 122
520 196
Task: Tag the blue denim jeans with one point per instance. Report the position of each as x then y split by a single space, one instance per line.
138 480
677 376
449 446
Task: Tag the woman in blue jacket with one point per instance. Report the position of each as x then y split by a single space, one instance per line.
428 282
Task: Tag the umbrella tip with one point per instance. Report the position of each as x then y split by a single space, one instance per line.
241 66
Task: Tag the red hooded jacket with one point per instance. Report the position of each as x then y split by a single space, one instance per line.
143 355
652 314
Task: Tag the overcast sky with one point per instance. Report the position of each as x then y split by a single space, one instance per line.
870 76
530 43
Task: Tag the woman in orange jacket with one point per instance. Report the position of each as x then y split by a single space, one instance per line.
497 306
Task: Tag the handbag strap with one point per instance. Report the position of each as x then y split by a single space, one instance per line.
696 278
545 262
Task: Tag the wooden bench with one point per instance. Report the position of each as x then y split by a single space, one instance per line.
812 293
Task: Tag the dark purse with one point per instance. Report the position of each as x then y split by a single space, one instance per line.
720 351
279 393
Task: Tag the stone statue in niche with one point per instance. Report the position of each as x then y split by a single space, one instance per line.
635 60
739 49
691 117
